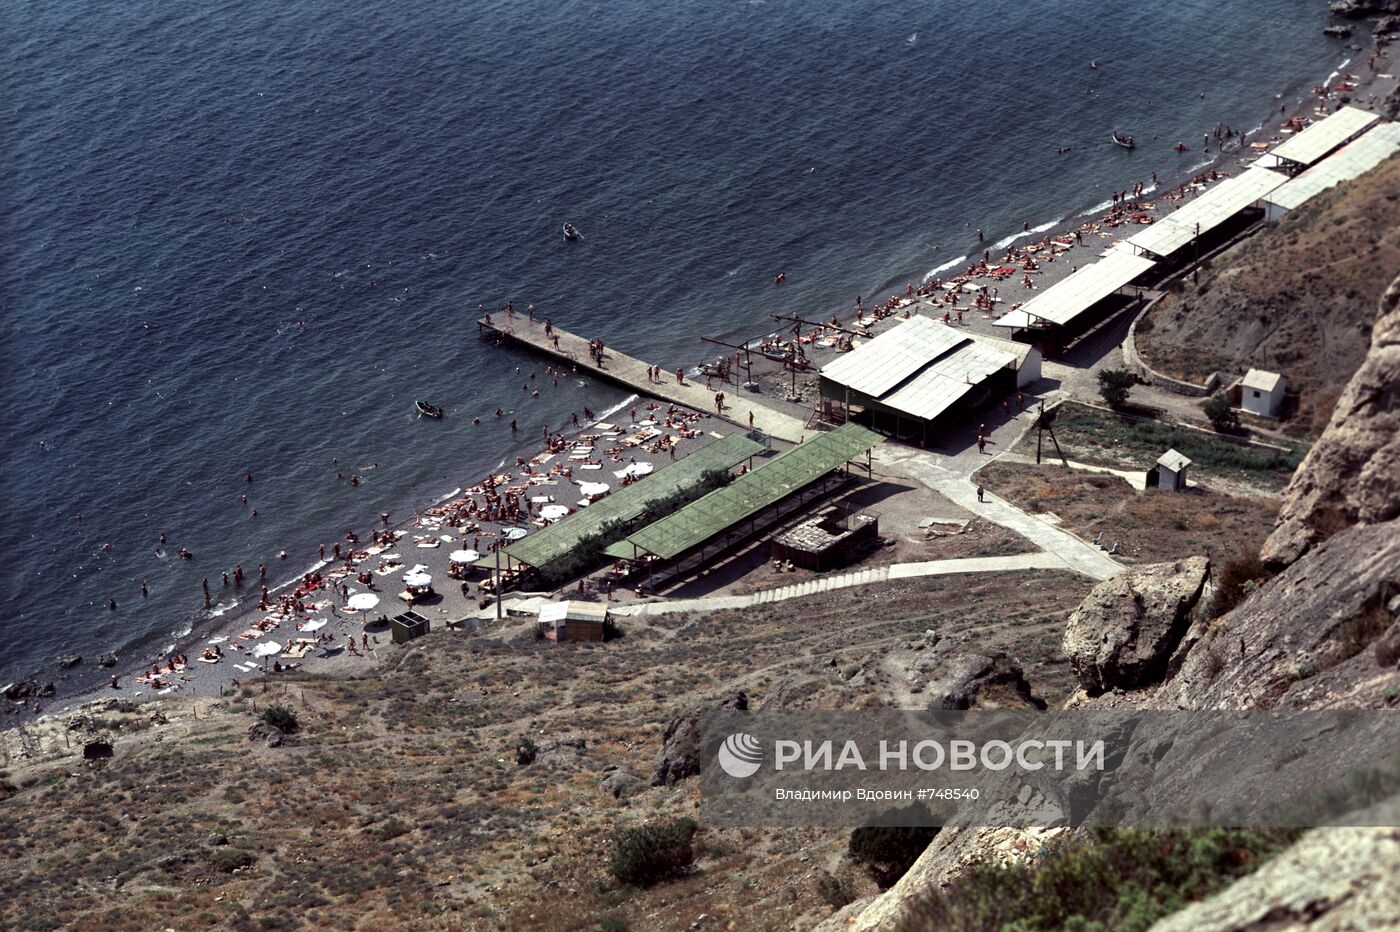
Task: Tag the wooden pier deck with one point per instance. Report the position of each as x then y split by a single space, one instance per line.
631 373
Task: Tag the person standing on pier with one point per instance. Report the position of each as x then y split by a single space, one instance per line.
680 377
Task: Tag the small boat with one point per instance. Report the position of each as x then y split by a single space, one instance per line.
428 410
571 233
1126 142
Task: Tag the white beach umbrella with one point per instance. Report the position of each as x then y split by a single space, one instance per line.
267 649
553 512
638 469
316 625
464 556
593 489
363 601
515 533
417 579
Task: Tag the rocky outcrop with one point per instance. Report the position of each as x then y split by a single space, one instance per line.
1123 632
1360 9
680 745
1352 474
1335 878
951 676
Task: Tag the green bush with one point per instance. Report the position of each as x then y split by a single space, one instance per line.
1126 881
887 851
1222 417
1114 386
650 853
281 718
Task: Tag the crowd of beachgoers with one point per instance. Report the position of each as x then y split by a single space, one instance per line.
340 607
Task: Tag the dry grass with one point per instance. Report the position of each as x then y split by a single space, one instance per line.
1151 526
399 799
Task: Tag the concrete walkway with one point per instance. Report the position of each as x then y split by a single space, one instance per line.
877 574
1074 554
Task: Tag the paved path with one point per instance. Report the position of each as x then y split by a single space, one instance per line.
877 574
1074 554
632 373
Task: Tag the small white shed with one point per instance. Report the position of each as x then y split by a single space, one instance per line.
1170 472
1261 393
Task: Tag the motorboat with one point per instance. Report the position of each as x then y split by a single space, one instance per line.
428 410
571 232
1121 139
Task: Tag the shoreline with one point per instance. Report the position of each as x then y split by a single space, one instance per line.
230 616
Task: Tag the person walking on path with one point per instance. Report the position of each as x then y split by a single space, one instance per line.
980 490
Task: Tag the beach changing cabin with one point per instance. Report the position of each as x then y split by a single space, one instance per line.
573 620
407 626
1170 472
1261 393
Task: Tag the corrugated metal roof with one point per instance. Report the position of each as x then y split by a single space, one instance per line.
947 380
1325 135
1354 160
893 356
1076 293
749 494
1209 209
1262 380
559 539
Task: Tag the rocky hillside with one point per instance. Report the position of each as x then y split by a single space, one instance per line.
1317 628
1297 299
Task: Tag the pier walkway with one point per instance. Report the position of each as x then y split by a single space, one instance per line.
746 410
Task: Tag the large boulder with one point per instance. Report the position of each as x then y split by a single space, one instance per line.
1352 474
680 745
1122 634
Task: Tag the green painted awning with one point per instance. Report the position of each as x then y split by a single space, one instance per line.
548 544
747 495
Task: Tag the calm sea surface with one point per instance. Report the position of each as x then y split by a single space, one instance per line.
245 237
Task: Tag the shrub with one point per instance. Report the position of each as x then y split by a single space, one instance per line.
887 851
525 751
1223 418
1126 881
281 718
228 860
1114 386
1237 580
650 853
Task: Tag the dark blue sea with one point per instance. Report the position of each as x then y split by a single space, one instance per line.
244 237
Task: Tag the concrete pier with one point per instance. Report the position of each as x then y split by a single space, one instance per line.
742 408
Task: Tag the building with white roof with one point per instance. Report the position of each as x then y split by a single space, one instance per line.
1262 393
908 377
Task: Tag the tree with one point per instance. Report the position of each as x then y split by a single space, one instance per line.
1222 417
1114 386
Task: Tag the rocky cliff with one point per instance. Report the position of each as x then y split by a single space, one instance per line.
1324 633
1352 475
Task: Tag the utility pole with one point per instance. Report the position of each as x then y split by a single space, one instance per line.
499 594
